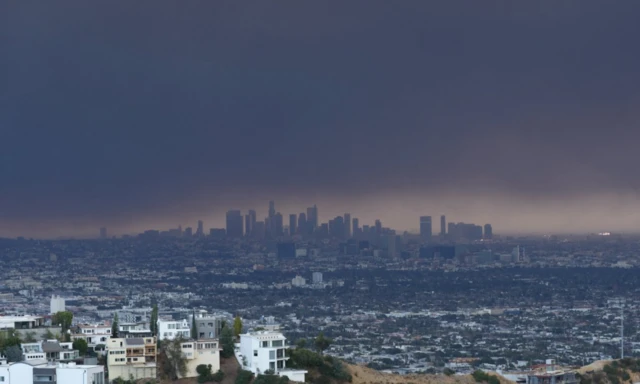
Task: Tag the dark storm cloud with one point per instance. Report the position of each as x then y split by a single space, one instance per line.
127 111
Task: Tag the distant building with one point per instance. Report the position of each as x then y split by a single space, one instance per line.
200 230
549 373
57 304
394 245
272 208
188 232
234 223
488 231
426 230
208 326
312 218
438 251
347 225
443 226
286 250
278 224
317 277
356 227
298 281
293 224
265 351
69 373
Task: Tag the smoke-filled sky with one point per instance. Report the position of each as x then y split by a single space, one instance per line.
151 114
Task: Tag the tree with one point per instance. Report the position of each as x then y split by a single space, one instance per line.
301 343
30 337
226 340
64 319
237 326
175 362
114 326
81 346
322 343
13 354
194 326
154 320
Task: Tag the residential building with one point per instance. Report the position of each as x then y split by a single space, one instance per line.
93 334
170 329
298 281
70 373
137 329
135 357
197 352
21 322
208 326
317 277
265 351
49 350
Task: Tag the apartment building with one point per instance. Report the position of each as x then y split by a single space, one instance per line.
71 373
265 351
137 329
135 357
21 322
169 329
49 350
208 326
93 334
198 352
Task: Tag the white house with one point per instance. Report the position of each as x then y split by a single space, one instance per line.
265 351
21 373
135 357
198 352
93 334
169 330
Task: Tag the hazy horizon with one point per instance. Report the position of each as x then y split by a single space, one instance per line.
142 115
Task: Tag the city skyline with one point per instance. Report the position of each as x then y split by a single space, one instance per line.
521 115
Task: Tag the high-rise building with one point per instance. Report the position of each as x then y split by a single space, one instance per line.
426 230
312 217
293 224
272 208
247 225
394 245
234 223
378 227
188 232
336 227
278 224
303 226
200 230
347 225
252 216
443 226
57 304
317 277
488 231
356 226
103 233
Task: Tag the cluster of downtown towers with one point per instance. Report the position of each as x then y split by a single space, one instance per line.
341 227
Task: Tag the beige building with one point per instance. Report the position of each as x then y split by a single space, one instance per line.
135 357
199 352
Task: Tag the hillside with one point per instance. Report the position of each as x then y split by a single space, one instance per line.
364 375
611 372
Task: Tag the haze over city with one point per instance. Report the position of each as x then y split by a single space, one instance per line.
522 115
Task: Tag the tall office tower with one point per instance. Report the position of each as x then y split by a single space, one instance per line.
312 217
103 233
272 208
425 228
234 223
200 230
443 226
247 225
394 245
356 226
336 227
303 226
188 232
452 231
252 215
378 227
347 225
278 224
293 227
488 231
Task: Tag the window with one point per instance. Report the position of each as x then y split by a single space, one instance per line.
255 353
265 344
280 364
2 379
272 366
276 343
272 355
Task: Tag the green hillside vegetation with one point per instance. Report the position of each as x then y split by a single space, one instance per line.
321 369
617 372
